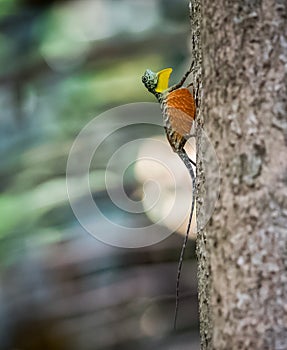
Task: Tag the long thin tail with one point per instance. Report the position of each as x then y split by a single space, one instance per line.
187 162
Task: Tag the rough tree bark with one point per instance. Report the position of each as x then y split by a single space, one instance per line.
242 252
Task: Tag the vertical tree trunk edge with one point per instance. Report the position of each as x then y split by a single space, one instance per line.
240 77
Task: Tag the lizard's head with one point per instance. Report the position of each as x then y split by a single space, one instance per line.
156 83
149 80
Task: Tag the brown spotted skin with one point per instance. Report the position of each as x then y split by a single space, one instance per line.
178 109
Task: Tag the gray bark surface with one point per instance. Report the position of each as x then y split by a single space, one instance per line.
242 251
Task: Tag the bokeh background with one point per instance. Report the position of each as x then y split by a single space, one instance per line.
62 64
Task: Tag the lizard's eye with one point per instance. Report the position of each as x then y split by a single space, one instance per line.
144 79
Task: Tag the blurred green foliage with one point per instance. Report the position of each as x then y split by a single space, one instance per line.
63 63
58 71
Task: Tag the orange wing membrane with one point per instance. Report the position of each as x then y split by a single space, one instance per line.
181 110
179 113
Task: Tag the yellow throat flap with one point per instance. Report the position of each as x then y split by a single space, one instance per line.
163 79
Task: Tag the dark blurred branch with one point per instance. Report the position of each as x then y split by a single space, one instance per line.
102 53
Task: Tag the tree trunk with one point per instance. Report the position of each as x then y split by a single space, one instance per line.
242 252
